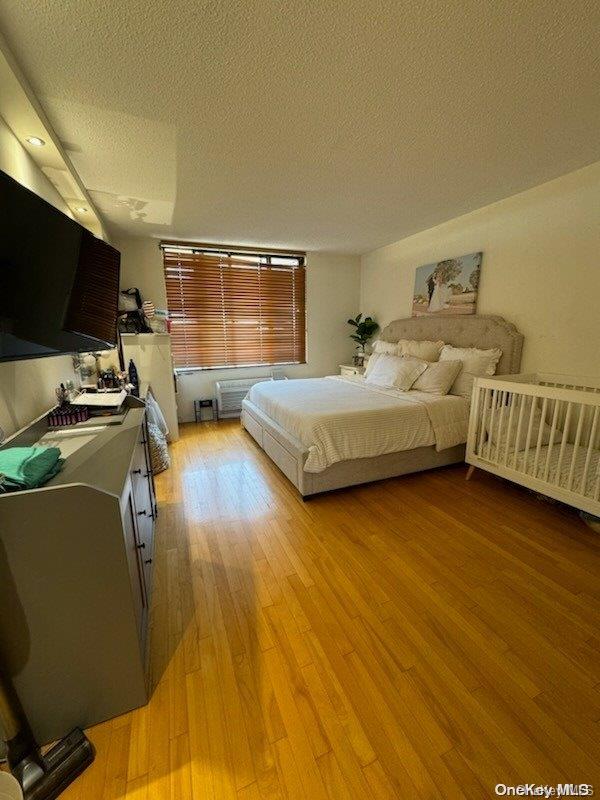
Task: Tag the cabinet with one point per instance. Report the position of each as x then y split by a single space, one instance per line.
76 563
349 369
143 508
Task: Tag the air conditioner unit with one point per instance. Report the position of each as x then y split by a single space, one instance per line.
231 393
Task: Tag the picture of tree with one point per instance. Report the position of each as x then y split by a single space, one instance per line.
449 269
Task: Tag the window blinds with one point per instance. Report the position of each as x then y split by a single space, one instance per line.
235 308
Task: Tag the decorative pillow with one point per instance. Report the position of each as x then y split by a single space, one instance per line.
438 377
393 372
372 360
379 348
510 436
476 363
426 350
386 347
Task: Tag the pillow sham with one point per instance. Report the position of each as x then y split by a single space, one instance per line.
393 372
380 348
371 361
509 433
386 347
425 349
475 363
438 377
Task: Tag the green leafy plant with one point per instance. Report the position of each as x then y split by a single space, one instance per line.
364 330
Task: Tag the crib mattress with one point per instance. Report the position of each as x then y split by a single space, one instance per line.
517 461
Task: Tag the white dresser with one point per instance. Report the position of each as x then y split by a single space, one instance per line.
349 369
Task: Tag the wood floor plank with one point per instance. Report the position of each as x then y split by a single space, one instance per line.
300 737
137 789
180 774
421 637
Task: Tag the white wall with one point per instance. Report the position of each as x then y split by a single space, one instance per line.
332 295
540 269
27 387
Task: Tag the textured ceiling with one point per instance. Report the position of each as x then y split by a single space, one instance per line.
336 125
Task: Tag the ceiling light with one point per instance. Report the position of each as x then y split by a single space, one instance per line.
81 210
36 141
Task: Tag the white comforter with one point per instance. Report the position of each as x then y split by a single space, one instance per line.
339 418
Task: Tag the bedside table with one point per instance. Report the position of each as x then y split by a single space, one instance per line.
349 369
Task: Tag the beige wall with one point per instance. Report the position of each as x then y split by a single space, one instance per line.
332 295
27 387
540 270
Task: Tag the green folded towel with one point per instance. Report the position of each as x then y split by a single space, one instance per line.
28 467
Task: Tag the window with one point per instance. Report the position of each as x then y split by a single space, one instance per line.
231 308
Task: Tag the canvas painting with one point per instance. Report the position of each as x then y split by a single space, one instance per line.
447 287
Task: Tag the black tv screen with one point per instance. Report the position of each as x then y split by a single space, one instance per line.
59 284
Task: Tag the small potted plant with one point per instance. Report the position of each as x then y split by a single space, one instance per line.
364 329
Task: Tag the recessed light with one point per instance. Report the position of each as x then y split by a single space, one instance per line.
81 210
36 141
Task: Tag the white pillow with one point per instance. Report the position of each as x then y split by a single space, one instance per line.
386 347
438 377
371 361
522 442
476 363
393 372
380 348
427 350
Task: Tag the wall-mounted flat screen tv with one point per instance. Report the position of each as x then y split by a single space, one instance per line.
59 284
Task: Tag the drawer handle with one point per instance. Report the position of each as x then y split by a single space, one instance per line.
148 561
142 513
141 546
147 474
136 472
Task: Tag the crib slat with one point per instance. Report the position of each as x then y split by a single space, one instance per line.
538 447
563 443
519 429
597 488
474 419
503 400
534 401
484 410
590 451
551 439
513 398
582 410
491 428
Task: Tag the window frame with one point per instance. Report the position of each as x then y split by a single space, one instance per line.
268 256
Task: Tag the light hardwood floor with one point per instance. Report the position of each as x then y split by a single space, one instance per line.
422 637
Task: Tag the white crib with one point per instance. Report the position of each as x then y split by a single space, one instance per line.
542 431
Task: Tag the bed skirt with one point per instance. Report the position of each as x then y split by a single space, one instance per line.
289 454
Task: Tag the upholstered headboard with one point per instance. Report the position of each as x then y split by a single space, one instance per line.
481 331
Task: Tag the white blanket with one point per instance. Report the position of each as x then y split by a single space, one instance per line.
340 418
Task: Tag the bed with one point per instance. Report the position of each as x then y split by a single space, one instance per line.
328 433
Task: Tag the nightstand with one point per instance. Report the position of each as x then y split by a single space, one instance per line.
349 369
